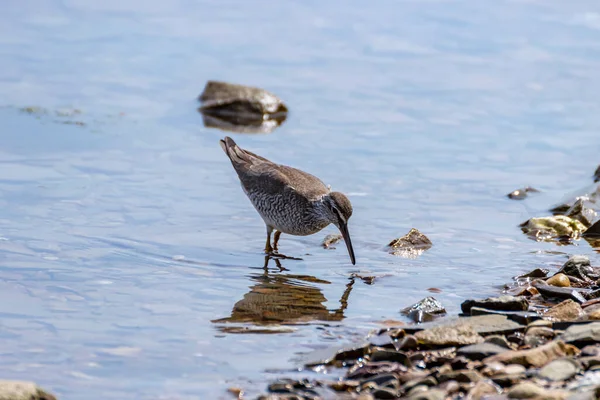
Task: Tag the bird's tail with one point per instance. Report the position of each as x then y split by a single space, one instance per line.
236 154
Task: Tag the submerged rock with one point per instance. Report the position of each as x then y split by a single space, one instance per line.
545 228
521 194
502 303
330 240
424 310
20 390
240 108
411 245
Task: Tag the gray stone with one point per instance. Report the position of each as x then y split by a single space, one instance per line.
239 99
20 390
560 370
428 304
589 380
555 292
480 351
580 267
536 273
461 376
525 390
502 303
582 334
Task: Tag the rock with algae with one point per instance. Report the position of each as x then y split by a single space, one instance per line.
546 228
411 245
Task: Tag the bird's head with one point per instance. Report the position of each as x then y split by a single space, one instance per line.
339 211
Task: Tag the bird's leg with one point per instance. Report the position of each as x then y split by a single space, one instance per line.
268 248
276 240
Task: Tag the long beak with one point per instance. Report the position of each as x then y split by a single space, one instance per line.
346 235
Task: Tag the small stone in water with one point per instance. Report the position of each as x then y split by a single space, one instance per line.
411 245
597 175
559 280
428 304
331 240
536 273
521 194
502 303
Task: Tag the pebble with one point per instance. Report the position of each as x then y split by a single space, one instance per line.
560 280
525 390
568 310
483 388
582 334
560 370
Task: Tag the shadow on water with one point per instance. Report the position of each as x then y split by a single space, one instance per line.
279 298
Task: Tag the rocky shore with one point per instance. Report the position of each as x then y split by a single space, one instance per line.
539 340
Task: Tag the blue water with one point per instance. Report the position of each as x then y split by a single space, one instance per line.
122 239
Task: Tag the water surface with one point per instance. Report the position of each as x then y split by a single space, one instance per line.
131 260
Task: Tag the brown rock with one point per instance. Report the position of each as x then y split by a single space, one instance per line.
593 313
568 310
452 335
560 280
19 390
537 357
482 388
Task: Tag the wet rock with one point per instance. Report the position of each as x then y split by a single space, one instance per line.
225 98
593 232
379 354
579 267
22 390
581 212
597 175
369 369
302 387
521 194
582 334
412 245
537 357
554 292
483 388
408 342
559 280
422 381
560 370
568 310
502 303
420 311
330 240
480 351
521 317
457 335
536 273
545 228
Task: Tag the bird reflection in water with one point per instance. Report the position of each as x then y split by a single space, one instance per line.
282 299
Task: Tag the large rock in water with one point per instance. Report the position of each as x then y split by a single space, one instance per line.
546 228
19 390
239 108
411 245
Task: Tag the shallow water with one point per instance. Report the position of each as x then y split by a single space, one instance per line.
130 258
